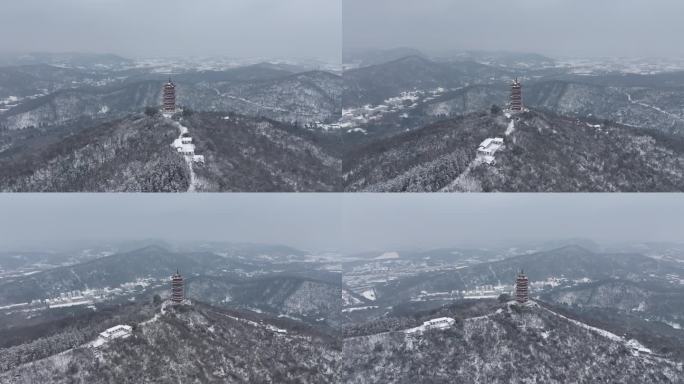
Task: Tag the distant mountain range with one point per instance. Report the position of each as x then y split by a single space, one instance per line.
293 287
47 96
366 57
66 59
310 300
570 262
110 271
375 83
473 83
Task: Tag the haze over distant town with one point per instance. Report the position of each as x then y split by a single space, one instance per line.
347 223
557 28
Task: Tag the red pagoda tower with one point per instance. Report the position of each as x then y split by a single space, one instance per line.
516 104
177 291
521 288
169 98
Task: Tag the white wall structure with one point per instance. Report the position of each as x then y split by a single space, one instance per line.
118 331
185 147
437 323
488 147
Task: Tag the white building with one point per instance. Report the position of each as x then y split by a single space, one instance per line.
490 145
487 149
439 323
116 332
184 146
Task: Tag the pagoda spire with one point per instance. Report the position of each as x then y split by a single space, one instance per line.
169 98
177 288
516 103
521 288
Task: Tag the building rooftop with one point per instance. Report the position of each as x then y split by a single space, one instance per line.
117 331
491 141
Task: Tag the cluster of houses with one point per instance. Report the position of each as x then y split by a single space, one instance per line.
352 119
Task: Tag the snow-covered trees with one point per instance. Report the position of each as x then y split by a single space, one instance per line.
546 152
195 344
132 154
528 345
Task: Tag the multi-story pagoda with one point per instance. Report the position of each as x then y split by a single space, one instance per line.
169 98
516 103
177 291
521 288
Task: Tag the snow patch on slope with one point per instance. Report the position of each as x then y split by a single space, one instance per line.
510 128
369 294
348 299
354 309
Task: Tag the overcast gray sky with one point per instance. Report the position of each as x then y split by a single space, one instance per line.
345 222
554 27
235 28
313 28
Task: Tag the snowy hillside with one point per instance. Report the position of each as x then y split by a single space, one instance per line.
194 343
507 345
135 153
545 152
132 154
